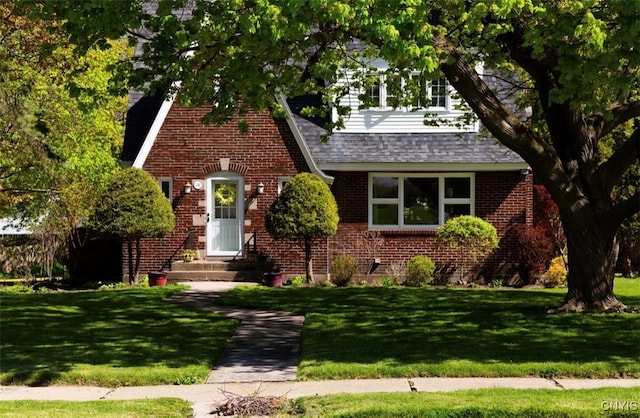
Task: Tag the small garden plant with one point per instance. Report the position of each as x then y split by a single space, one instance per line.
342 269
420 270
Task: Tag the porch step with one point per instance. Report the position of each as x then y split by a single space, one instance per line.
204 270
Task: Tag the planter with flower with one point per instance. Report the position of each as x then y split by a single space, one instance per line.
189 255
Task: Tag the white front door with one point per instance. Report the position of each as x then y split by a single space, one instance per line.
225 214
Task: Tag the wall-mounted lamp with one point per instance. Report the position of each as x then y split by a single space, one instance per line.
260 188
525 171
187 188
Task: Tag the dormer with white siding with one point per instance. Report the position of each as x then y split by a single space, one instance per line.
385 111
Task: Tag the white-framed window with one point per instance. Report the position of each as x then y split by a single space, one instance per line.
281 182
383 91
166 185
419 200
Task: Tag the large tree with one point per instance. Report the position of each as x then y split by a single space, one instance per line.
576 67
60 128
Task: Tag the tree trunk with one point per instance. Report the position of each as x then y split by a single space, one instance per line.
130 254
592 250
308 261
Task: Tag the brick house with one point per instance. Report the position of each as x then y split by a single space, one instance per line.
394 178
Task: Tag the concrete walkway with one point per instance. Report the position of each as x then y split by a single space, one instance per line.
264 347
262 359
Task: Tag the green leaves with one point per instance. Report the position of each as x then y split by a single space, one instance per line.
468 233
132 206
306 209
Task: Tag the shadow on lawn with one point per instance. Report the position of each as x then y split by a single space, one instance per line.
45 335
419 330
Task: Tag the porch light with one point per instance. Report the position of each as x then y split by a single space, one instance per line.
187 188
260 188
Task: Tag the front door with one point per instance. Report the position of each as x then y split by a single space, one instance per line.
225 214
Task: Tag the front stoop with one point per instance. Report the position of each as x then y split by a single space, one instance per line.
218 270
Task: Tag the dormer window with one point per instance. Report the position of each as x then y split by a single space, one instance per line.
385 91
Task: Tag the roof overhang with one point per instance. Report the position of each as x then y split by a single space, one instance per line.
422 167
297 134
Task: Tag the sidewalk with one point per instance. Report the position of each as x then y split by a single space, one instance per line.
204 397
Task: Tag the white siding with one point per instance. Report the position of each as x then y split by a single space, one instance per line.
389 120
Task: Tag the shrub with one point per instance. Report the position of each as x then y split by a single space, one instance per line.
305 211
556 275
534 251
387 281
297 281
132 206
470 234
472 237
420 270
342 269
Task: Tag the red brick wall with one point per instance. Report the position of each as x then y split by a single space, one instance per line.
186 150
502 198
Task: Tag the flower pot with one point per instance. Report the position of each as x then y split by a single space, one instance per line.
157 278
272 279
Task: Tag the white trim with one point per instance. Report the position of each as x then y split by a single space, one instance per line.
301 142
150 139
282 181
423 167
225 176
168 180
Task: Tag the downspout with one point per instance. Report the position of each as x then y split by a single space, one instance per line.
302 144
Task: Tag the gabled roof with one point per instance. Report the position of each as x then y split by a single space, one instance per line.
343 151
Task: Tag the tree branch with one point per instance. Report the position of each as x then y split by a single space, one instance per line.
611 170
496 117
621 113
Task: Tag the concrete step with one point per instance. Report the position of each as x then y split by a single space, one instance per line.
216 270
222 276
206 265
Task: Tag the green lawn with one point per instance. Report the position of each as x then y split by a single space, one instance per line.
492 403
373 332
109 338
157 408
495 403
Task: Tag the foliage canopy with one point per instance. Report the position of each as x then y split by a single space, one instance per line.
568 71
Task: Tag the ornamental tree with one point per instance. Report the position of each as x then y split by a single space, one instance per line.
570 71
472 237
305 211
131 206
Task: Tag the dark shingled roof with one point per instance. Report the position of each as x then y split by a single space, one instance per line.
140 116
428 148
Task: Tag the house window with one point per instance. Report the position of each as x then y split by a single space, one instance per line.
418 201
385 91
431 94
438 93
166 185
281 182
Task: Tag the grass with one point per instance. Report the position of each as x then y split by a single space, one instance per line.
375 332
159 408
478 403
121 337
